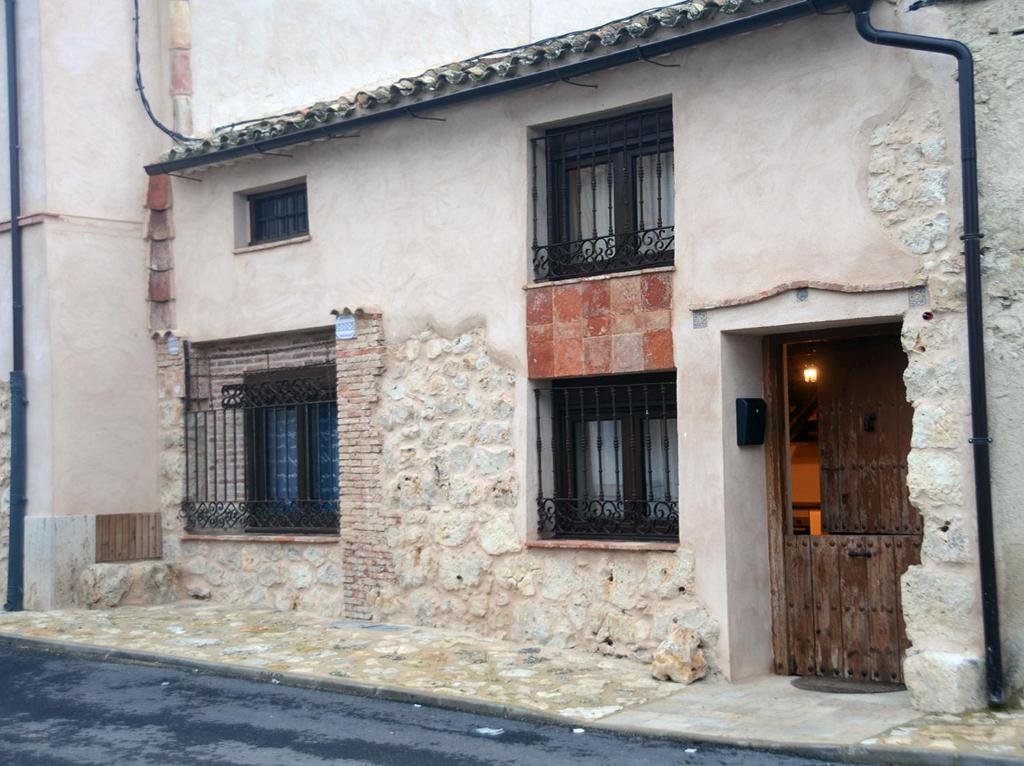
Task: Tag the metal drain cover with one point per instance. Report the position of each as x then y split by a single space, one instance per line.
844 685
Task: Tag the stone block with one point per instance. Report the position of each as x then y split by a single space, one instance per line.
679 658
941 606
945 682
499 536
935 477
130 583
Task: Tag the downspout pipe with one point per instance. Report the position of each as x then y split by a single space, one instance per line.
980 440
19 433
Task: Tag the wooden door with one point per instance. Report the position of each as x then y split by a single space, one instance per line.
843 609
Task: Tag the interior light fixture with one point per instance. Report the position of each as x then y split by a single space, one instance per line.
810 374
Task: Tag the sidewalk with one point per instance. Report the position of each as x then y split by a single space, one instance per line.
465 671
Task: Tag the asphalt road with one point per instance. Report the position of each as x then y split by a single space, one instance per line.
57 710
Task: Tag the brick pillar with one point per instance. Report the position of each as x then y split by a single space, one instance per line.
366 557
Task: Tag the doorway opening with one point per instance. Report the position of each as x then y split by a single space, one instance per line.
844 529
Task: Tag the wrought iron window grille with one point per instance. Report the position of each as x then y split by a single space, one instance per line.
278 214
266 458
602 196
608 459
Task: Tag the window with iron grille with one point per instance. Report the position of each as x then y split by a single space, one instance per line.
608 458
266 458
278 214
603 196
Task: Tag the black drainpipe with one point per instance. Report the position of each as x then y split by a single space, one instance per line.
975 325
16 541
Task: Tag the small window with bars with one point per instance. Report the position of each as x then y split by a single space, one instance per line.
603 196
278 214
608 458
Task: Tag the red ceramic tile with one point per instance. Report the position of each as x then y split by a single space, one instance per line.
568 303
656 291
625 295
596 298
158 194
597 355
624 324
657 320
539 333
538 306
569 329
541 359
627 353
658 350
568 357
597 326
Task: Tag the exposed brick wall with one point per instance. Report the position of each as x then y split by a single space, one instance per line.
218 363
596 327
364 527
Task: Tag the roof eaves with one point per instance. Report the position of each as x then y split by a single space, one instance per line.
534 64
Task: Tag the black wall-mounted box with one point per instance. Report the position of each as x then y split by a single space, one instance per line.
750 416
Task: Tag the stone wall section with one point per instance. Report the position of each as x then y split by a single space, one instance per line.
991 28
5 483
364 521
909 187
448 416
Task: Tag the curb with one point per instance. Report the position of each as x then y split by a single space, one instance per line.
852 754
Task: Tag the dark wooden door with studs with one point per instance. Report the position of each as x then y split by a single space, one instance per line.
843 607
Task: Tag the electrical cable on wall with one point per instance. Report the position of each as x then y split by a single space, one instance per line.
175 135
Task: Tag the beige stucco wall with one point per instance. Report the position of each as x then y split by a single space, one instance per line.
777 196
283 54
89 364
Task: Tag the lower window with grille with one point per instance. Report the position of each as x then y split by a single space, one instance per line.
266 459
608 458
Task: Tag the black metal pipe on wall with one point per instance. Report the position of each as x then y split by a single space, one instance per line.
980 440
19 432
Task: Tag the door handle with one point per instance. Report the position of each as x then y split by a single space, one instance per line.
859 554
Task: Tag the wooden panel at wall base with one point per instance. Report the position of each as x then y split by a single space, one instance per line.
128 537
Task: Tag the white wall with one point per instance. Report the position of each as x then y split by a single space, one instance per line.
264 56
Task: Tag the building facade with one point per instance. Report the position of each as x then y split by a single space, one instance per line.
661 335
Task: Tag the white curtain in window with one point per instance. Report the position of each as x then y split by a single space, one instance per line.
588 208
596 470
660 489
648 182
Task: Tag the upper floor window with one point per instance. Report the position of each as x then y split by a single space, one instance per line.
278 214
603 196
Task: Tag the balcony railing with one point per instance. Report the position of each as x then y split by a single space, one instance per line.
602 196
607 459
265 458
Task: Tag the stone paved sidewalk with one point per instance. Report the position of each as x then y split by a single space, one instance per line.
574 686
